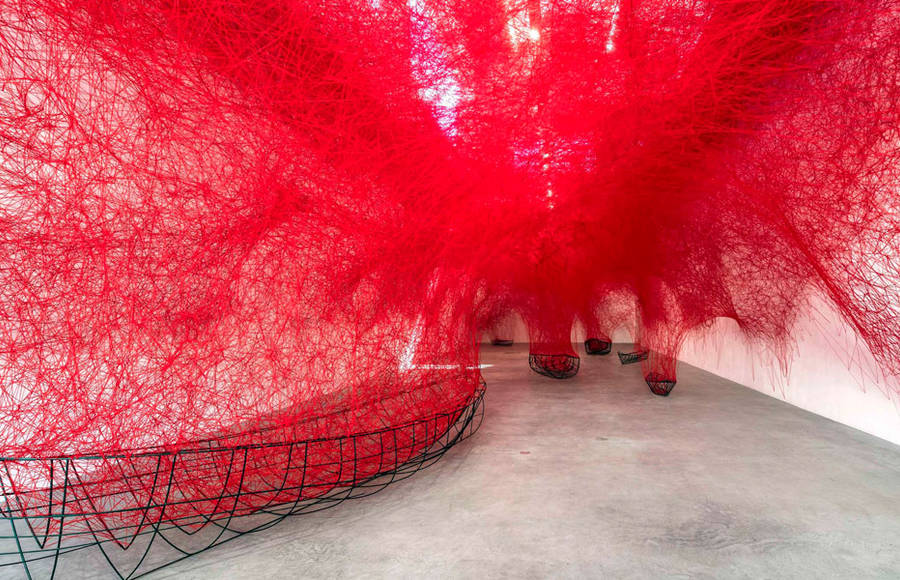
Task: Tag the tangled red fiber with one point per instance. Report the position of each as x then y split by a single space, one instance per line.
234 229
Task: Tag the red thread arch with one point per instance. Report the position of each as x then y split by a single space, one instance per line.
237 232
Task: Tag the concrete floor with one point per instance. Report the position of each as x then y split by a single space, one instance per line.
596 478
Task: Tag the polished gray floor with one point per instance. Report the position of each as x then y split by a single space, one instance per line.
597 478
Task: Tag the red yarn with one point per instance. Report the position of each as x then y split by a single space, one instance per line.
235 224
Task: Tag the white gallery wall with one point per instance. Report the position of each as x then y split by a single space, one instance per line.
831 373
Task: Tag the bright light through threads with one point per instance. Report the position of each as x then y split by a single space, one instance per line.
236 221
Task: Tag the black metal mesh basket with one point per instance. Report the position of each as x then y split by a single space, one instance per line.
139 512
555 366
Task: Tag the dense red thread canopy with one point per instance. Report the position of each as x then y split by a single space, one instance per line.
232 223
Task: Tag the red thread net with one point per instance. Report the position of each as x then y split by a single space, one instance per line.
230 225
